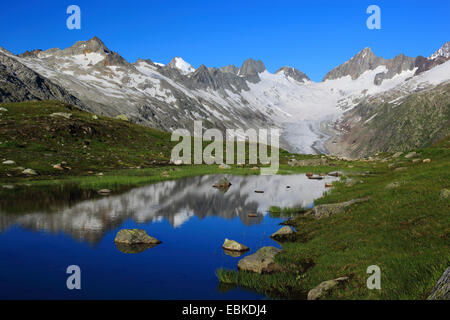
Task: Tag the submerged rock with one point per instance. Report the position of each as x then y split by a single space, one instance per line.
327 210
262 261
234 254
324 288
232 245
133 248
283 233
135 236
441 290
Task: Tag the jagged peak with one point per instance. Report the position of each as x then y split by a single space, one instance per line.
230 69
443 51
293 73
183 66
251 67
92 45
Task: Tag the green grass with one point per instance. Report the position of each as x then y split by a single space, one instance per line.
33 139
405 231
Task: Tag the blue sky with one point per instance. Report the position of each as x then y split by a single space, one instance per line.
313 36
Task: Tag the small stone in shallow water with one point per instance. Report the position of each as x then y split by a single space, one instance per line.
232 245
104 191
134 236
222 183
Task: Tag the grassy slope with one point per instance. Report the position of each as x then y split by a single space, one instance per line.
405 231
33 139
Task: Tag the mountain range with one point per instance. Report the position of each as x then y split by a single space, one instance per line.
343 114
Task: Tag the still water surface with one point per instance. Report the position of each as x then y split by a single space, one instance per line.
41 233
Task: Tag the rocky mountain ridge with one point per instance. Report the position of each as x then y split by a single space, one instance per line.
174 95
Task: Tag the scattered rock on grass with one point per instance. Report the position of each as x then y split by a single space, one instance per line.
9 162
30 172
397 154
122 117
324 288
262 261
394 185
410 155
326 210
441 290
445 193
426 160
400 169
61 115
224 166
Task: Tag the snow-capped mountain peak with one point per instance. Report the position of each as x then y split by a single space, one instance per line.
293 73
443 51
178 63
249 97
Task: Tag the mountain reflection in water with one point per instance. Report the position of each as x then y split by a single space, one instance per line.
175 201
